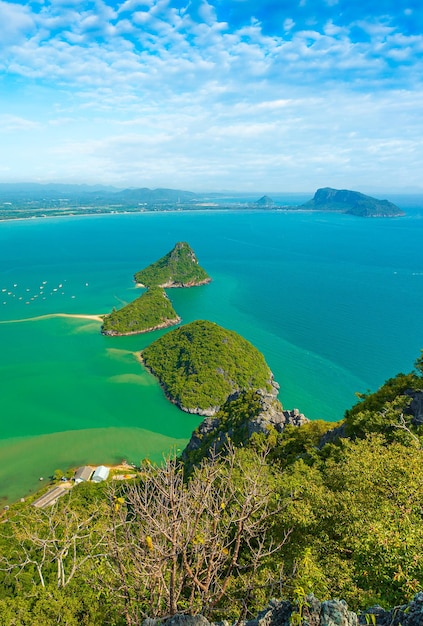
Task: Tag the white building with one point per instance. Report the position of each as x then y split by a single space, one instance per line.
100 474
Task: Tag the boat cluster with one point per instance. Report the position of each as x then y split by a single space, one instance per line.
28 295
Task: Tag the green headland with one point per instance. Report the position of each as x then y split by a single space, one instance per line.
201 365
178 268
151 311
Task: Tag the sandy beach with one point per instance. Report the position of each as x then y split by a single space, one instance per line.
96 318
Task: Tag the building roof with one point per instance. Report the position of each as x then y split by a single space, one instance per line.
100 474
50 497
83 473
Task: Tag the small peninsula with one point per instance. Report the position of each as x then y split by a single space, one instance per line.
151 311
178 268
201 365
352 203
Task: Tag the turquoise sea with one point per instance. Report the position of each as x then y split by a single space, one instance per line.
334 303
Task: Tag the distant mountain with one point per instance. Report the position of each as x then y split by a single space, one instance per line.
265 203
74 195
351 202
150 196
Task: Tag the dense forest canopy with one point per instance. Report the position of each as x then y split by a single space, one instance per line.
330 509
178 268
151 310
201 364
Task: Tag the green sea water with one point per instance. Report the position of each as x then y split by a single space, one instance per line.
333 302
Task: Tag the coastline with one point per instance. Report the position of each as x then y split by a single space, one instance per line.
167 324
95 318
178 285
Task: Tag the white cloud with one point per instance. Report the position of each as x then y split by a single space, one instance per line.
16 23
11 123
182 98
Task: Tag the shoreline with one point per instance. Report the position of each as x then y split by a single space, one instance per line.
95 318
178 285
166 324
155 212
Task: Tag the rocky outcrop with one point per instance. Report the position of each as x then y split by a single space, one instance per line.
331 436
351 202
415 407
313 613
410 614
191 283
271 416
166 324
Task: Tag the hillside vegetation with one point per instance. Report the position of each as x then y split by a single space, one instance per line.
331 509
351 202
201 365
151 310
178 268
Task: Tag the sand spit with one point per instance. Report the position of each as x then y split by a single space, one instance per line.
96 318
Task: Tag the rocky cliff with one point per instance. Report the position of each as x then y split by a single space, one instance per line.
313 613
351 202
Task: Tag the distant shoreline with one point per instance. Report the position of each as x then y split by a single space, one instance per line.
202 210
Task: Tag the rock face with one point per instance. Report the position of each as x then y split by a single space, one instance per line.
313 613
271 415
351 202
410 614
416 406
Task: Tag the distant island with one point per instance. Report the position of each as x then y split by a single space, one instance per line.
178 268
201 366
351 202
265 202
151 311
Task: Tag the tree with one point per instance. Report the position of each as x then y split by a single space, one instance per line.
179 545
53 543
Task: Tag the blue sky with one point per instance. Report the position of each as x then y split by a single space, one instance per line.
260 95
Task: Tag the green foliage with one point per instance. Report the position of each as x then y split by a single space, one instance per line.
388 392
294 442
179 267
419 364
230 419
342 521
202 364
153 308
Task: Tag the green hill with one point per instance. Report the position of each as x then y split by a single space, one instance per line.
152 310
178 268
351 202
201 365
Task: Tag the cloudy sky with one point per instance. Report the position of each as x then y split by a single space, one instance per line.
268 95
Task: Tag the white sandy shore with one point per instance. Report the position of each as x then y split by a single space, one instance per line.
96 318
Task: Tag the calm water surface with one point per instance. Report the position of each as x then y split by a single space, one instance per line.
333 302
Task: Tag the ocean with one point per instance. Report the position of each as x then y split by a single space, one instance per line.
334 303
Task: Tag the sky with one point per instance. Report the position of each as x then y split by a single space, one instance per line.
213 95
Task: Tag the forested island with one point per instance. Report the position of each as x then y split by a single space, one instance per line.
201 365
352 203
151 311
327 509
178 268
